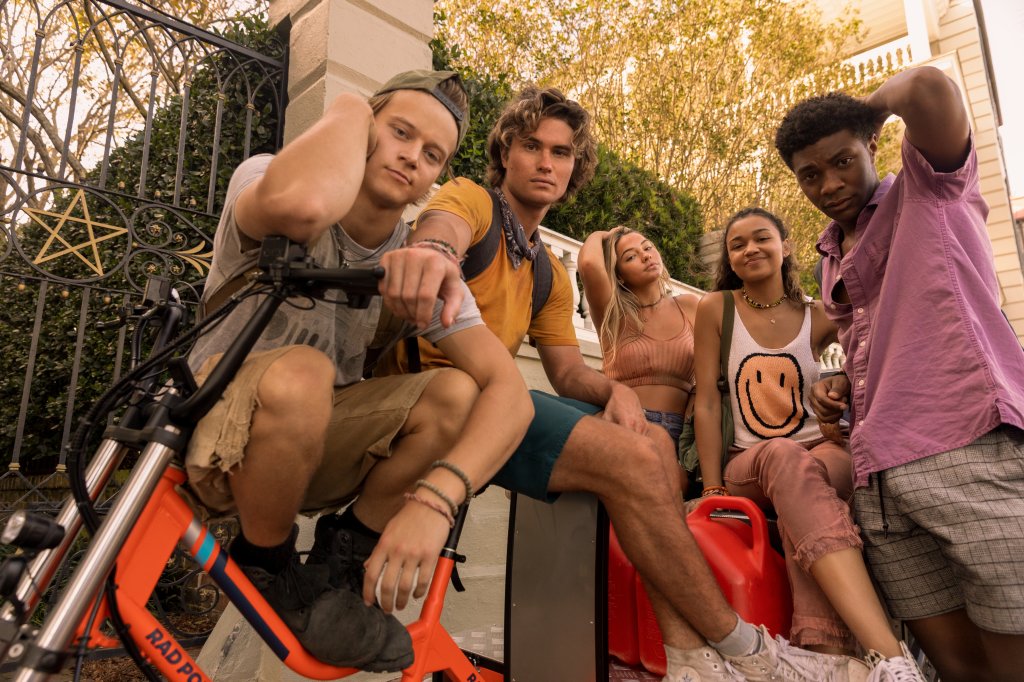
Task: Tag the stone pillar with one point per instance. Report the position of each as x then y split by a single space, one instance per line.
348 46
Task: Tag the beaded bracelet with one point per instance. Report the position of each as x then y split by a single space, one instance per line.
423 483
432 505
443 244
439 245
442 464
714 490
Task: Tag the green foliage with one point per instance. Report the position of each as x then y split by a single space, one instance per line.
620 193
487 97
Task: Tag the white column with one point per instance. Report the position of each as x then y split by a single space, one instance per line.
348 46
918 34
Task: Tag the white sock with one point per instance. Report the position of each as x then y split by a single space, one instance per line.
744 640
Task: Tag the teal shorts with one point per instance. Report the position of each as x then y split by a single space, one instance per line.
528 471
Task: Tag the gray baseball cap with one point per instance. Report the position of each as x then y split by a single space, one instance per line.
427 80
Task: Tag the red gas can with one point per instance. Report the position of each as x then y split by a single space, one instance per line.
751 574
622 618
652 651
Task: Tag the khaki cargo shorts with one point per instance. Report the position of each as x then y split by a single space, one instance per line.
366 420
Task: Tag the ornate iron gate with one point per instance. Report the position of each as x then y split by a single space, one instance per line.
121 127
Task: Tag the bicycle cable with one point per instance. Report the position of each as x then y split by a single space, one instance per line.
117 394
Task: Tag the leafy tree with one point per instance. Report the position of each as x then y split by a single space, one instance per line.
691 92
620 193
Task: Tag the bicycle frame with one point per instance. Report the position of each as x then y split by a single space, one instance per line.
167 519
139 534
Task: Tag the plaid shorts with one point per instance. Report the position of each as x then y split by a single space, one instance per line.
955 535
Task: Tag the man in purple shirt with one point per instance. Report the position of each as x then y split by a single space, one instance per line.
934 376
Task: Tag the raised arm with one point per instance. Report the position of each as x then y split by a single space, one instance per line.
597 286
413 538
314 180
931 106
707 411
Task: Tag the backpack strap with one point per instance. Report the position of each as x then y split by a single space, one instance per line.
481 254
224 292
728 315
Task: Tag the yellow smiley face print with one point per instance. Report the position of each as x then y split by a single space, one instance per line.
770 394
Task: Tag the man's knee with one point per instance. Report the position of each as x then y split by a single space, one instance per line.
299 382
630 464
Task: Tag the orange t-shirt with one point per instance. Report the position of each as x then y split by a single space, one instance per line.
503 294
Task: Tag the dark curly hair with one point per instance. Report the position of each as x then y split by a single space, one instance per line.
522 116
819 117
727 279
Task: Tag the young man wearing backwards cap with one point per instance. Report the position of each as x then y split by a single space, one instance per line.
298 431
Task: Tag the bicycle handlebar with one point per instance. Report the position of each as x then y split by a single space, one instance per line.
285 266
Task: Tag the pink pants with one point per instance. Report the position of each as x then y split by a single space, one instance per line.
810 487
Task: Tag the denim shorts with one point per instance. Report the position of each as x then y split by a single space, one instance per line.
670 421
529 469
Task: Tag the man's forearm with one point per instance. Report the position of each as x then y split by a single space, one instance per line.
314 180
585 384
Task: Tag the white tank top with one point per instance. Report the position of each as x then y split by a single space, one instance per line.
770 387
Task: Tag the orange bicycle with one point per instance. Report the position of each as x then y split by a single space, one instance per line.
159 405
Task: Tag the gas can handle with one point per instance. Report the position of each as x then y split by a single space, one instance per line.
707 505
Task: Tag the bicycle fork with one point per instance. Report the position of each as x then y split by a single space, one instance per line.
46 654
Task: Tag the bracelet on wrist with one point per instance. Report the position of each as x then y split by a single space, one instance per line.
439 245
714 490
455 469
432 505
427 485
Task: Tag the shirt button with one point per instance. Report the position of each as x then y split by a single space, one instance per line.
860 310
860 382
862 343
860 423
833 305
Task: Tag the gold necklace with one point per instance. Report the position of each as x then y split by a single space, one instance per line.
762 306
651 305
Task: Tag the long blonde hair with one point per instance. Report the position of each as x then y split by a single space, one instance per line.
622 319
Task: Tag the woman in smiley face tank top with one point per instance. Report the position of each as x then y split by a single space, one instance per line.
781 458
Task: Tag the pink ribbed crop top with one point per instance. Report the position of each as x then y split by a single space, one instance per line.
643 361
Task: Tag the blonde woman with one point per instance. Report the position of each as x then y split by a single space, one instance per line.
646 333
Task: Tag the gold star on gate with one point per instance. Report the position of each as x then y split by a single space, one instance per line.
95 265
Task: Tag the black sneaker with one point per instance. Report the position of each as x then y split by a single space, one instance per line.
334 625
343 551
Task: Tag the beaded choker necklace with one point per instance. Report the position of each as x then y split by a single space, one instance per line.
761 306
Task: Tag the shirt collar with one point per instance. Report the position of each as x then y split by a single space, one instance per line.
832 236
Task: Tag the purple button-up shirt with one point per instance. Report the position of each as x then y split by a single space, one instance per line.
932 362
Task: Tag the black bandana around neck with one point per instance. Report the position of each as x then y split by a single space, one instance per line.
515 236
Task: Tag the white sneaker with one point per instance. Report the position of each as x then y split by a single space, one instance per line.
896 669
698 665
778 660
